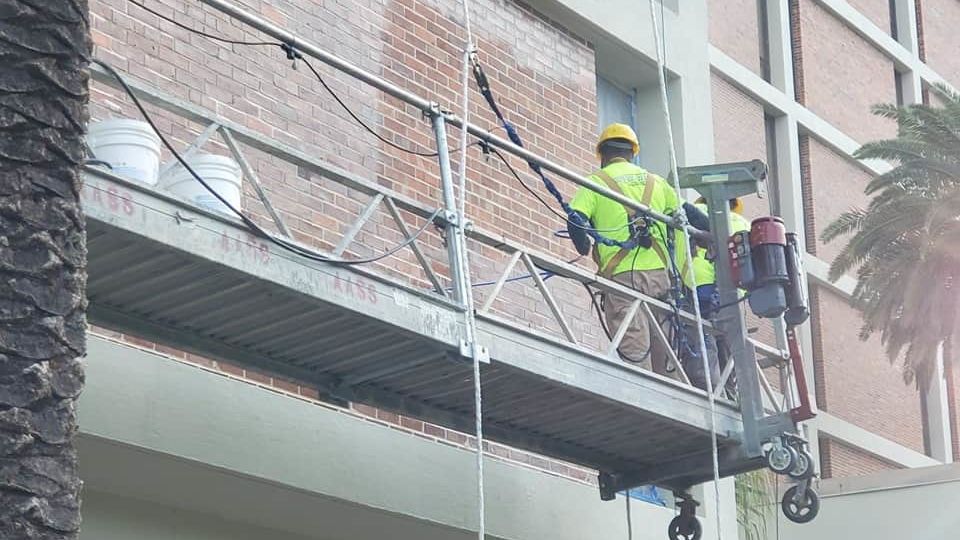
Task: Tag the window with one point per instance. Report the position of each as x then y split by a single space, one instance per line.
614 105
894 31
773 174
898 84
763 27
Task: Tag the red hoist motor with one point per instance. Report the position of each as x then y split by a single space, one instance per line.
766 262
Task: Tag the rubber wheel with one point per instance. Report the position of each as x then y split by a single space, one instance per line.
782 459
683 528
804 466
803 511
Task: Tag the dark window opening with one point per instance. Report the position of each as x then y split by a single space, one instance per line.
763 26
894 31
898 84
773 172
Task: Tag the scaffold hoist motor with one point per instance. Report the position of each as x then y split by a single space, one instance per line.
765 262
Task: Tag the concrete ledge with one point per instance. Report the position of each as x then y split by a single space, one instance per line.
166 412
864 440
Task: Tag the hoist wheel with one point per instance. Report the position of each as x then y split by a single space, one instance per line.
781 459
804 466
802 510
684 528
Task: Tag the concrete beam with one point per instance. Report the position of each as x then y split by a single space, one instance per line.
870 442
772 98
818 271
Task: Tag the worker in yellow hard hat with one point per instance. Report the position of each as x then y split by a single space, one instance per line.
643 267
704 271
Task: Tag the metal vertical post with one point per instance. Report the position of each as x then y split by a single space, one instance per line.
734 328
453 238
456 246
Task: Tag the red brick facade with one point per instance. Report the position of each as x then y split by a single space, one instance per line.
844 75
838 460
939 18
734 29
839 75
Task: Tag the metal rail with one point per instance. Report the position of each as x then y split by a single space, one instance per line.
514 251
432 108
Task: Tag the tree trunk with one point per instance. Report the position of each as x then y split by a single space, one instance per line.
44 51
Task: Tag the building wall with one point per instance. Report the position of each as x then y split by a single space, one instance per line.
878 11
734 29
939 18
840 460
861 386
543 76
844 75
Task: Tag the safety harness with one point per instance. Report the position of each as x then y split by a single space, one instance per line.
573 216
650 184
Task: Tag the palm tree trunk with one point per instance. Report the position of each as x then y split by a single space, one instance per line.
44 51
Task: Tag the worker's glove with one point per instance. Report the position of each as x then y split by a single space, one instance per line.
577 225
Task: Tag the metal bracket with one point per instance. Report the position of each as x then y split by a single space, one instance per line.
467 350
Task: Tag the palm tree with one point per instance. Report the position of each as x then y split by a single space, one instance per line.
905 245
44 49
755 492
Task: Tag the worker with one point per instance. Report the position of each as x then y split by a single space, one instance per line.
703 268
704 271
643 268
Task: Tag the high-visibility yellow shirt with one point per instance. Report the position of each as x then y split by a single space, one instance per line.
610 217
704 270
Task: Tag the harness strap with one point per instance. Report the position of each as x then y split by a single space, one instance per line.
645 198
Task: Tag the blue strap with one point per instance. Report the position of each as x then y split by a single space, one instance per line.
575 217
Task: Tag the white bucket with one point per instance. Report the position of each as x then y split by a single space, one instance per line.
130 147
221 173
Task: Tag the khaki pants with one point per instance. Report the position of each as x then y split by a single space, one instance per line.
640 346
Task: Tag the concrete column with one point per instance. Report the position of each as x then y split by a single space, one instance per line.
938 414
781 52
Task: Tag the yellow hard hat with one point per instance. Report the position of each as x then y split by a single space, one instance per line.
619 131
736 205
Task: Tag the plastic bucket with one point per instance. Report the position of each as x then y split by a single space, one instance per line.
221 173
130 147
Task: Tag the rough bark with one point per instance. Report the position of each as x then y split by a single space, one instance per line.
44 51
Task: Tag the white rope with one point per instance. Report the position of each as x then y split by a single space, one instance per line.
686 234
468 52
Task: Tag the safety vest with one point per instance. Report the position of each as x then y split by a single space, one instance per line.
610 217
704 271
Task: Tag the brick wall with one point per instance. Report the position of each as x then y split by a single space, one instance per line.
543 75
734 30
837 185
855 380
860 384
841 460
878 11
939 18
844 75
